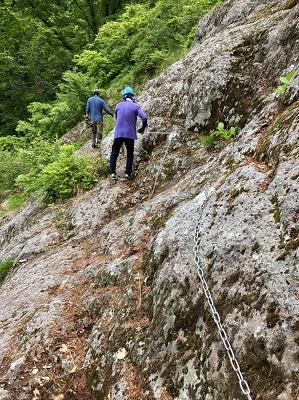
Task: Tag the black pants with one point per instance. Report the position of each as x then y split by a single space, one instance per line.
129 143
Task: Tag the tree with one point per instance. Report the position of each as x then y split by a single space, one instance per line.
38 40
32 60
95 13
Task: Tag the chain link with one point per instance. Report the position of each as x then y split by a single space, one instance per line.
234 363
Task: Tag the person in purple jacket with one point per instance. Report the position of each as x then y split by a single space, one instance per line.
126 113
94 111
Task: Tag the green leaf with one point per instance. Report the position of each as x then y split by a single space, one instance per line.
290 75
283 79
232 131
281 89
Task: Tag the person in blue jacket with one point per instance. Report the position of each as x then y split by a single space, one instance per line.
94 111
126 113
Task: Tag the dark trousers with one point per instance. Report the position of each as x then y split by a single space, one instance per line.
129 143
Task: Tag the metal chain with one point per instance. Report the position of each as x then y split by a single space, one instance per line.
159 133
234 363
168 143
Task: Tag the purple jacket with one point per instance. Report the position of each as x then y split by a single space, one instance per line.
126 114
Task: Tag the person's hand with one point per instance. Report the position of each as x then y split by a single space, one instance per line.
140 130
86 118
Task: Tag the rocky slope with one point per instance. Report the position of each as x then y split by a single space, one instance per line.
105 299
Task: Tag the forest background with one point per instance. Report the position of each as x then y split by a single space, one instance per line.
53 54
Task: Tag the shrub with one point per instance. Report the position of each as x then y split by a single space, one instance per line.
62 178
53 119
9 170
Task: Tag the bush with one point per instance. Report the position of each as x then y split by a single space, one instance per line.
53 171
32 160
54 119
63 177
9 170
12 143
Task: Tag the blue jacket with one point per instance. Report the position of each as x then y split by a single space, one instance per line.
126 114
94 108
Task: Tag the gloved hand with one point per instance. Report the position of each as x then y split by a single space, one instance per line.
140 130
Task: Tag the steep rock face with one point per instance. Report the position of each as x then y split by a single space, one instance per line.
105 301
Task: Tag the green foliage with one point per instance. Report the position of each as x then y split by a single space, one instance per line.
15 201
42 42
74 89
208 141
220 132
96 65
279 91
38 42
11 143
53 119
62 175
10 167
108 126
35 157
5 268
53 171
34 54
143 38
53 54
224 133
9 170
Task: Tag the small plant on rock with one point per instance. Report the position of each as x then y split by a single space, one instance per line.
224 133
279 91
221 132
5 267
208 141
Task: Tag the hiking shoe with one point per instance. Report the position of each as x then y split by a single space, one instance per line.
93 145
127 176
112 176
